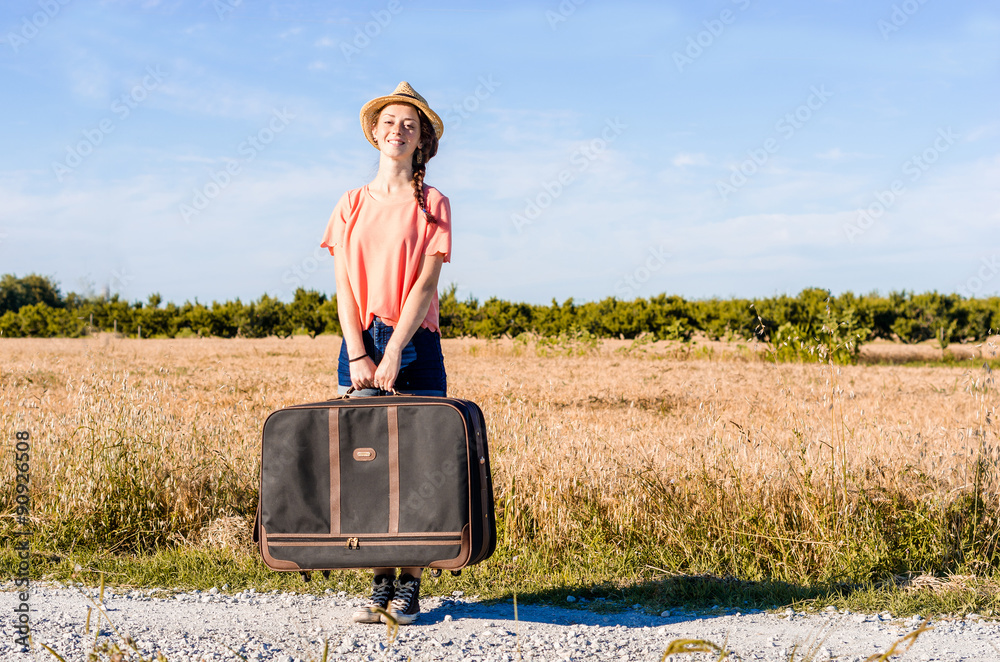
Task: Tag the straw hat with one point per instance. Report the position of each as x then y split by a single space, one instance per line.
402 94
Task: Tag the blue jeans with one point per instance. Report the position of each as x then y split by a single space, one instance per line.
421 369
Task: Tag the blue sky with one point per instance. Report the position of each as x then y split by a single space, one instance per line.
591 149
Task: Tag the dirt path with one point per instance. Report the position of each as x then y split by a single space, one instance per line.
289 627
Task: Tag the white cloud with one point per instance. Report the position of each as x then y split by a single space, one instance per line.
687 159
265 222
982 132
836 154
217 96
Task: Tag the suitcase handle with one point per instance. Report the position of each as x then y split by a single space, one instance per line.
351 389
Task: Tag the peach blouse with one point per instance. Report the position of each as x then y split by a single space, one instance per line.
383 243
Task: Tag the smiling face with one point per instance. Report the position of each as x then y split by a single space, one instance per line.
397 130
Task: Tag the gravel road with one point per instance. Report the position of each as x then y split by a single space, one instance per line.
289 627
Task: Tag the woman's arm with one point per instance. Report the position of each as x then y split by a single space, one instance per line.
414 310
363 371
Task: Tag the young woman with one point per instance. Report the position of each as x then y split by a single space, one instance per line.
389 239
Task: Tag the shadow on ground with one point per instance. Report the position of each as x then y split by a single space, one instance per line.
686 597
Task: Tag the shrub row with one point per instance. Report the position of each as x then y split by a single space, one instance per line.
310 312
33 306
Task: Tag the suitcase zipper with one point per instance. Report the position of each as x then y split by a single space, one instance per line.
355 542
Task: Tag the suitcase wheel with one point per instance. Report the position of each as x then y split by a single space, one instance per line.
326 574
435 572
306 575
456 573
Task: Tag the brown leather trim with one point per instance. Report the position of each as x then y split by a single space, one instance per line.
391 412
464 553
270 561
362 536
334 471
364 454
381 543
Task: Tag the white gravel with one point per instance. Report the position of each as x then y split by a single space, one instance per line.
217 625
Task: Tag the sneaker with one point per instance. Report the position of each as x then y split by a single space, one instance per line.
382 591
405 606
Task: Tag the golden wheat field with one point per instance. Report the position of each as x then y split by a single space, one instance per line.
704 459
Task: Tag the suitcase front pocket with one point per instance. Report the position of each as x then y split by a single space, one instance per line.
295 473
363 460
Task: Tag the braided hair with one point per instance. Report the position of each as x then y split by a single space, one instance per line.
420 158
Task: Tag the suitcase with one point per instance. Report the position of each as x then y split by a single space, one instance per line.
388 481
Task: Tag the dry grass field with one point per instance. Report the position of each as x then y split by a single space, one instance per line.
618 459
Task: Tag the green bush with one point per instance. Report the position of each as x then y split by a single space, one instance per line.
304 311
38 320
811 325
16 293
266 317
10 325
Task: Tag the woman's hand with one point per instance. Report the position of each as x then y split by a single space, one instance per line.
388 368
363 373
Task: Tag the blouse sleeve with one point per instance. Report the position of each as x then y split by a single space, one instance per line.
334 234
439 234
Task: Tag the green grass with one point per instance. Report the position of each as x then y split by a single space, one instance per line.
874 598
949 360
601 585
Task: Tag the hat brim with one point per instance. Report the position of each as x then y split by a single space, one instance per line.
370 111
